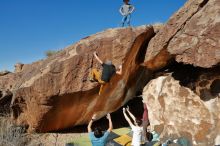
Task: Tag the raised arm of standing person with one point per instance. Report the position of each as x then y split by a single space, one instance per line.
90 123
110 122
127 118
97 58
131 115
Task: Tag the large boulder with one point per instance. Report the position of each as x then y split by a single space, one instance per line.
176 111
190 36
55 93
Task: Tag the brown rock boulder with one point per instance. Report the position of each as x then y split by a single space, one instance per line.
5 72
8 81
176 111
190 36
55 93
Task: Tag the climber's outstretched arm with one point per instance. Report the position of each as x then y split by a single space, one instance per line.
97 58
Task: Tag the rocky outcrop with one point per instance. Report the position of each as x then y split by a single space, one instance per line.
7 81
176 111
5 72
55 93
186 104
190 36
18 67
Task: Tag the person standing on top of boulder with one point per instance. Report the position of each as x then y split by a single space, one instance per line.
97 137
104 76
126 10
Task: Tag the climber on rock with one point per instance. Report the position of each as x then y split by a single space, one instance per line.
138 128
98 138
104 76
126 10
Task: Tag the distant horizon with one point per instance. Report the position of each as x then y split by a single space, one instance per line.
30 28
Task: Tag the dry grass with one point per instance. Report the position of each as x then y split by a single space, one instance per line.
51 53
157 26
14 135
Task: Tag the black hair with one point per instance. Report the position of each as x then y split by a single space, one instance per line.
98 132
138 121
149 136
126 0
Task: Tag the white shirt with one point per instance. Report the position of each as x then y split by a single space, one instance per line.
138 133
126 9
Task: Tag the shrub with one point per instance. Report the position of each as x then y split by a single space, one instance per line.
50 53
12 135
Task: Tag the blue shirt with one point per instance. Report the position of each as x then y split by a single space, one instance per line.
156 136
98 141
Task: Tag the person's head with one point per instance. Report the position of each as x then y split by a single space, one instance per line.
149 136
108 62
126 1
98 132
138 122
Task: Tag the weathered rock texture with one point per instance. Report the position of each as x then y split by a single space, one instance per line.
7 81
55 93
176 111
18 67
50 139
190 36
189 104
3 73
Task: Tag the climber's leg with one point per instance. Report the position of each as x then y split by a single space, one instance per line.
101 88
95 75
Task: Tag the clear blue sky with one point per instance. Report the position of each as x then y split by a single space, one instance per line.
30 27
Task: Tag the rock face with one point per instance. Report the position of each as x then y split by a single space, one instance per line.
187 106
176 111
3 73
7 81
18 67
55 93
190 36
